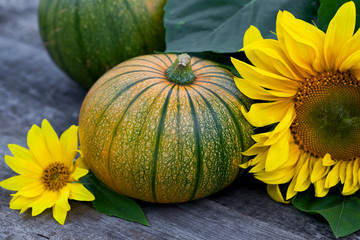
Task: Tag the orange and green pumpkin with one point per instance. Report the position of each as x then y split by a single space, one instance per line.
158 129
85 38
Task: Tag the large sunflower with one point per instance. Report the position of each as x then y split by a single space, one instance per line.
47 174
306 84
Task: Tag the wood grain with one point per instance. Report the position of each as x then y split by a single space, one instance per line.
33 88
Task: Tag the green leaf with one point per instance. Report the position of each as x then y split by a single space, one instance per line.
328 9
219 26
111 203
342 212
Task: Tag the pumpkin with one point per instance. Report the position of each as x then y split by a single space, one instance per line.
164 129
85 38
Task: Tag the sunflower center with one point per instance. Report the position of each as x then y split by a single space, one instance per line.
55 176
328 116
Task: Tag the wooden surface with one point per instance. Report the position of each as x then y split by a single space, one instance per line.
33 88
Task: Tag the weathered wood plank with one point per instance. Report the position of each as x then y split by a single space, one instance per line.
33 88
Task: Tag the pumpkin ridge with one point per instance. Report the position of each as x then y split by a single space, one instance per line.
206 66
159 59
122 91
114 36
197 146
141 66
205 74
167 56
157 143
232 115
122 74
178 119
80 43
152 62
122 117
59 53
222 87
197 61
44 27
215 76
149 110
221 139
128 6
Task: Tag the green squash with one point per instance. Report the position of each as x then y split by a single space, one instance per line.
86 38
153 132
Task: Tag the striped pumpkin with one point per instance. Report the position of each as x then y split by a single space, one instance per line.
85 38
156 140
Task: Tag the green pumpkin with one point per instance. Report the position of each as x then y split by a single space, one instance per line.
86 38
165 134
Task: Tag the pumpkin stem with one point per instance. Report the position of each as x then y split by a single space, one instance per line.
180 71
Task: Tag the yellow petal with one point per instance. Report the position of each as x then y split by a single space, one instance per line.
15 183
22 153
254 91
340 30
303 178
263 114
32 190
62 201
78 173
21 203
264 78
245 164
351 46
259 162
327 161
254 150
351 62
69 144
282 127
38 146
23 166
46 200
252 35
302 42
268 55
290 193
348 178
352 187
320 190
52 141
278 153
275 194
268 138
318 171
59 214
80 162
278 176
80 193
333 177
294 156
342 171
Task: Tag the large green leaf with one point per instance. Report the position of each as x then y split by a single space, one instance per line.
111 203
342 212
219 26
328 9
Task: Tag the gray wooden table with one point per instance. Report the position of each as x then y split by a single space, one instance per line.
33 88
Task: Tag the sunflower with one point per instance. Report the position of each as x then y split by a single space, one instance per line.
306 87
47 175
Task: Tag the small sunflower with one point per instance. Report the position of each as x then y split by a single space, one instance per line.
306 84
47 175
